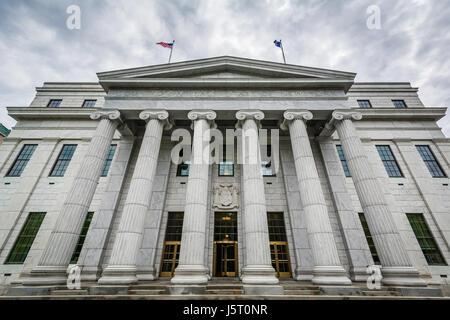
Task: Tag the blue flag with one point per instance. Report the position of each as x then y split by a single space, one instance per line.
277 43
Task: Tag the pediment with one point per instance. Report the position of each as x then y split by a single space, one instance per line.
226 68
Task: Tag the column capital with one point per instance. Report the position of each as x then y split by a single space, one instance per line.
106 114
243 115
339 115
346 115
161 115
202 114
291 115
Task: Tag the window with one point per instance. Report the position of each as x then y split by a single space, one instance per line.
343 161
109 159
174 226
430 161
389 162
89 103
26 238
266 166
63 160
373 249
364 104
54 103
426 240
277 229
81 238
226 167
22 160
400 104
183 167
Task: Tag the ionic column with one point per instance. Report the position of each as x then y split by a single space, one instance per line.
327 266
191 268
122 264
396 265
54 261
258 264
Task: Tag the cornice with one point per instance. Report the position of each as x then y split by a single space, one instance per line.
19 113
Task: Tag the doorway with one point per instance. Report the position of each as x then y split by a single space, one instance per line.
279 251
225 257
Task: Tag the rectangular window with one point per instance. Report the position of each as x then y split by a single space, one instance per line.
426 241
81 238
373 249
226 166
89 103
343 161
389 161
266 165
109 159
54 103
63 160
364 104
400 104
431 162
22 160
26 238
174 226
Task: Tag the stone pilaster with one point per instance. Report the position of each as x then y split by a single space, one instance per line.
122 264
396 265
258 268
53 264
327 266
191 268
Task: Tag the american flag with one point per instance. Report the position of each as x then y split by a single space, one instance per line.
165 44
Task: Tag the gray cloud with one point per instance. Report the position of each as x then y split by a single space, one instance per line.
412 45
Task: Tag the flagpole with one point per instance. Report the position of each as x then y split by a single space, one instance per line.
171 49
282 51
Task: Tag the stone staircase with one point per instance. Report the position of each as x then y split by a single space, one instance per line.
225 289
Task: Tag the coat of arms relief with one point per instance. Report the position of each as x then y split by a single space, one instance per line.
225 196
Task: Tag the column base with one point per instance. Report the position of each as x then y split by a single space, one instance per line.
303 274
190 274
330 275
46 275
359 274
402 276
259 274
119 275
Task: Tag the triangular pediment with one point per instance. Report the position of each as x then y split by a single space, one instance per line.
226 68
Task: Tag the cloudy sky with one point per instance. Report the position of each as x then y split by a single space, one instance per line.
413 43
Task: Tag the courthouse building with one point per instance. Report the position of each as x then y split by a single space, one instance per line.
87 178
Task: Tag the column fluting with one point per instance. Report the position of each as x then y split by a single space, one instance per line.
122 264
191 268
327 266
396 265
258 268
55 259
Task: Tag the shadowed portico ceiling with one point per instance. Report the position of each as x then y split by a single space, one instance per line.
220 72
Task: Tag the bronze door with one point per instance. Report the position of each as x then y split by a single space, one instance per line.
225 259
171 254
280 258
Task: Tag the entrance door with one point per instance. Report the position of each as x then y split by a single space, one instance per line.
278 244
226 262
225 257
171 254
280 258
172 242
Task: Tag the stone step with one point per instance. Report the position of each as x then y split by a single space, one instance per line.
304 292
224 291
68 292
146 292
223 286
380 293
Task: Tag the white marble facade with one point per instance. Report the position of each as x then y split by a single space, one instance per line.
138 109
